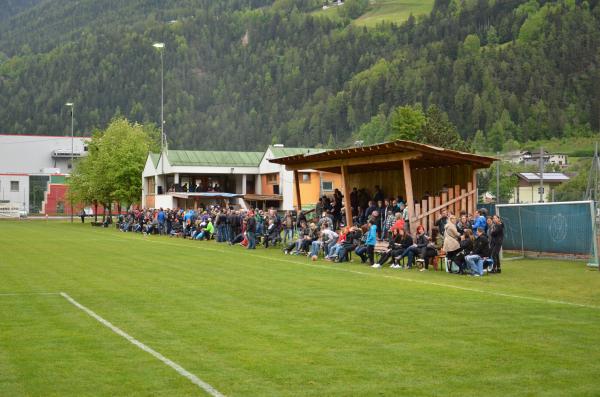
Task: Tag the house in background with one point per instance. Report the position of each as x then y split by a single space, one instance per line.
527 191
533 158
189 179
34 169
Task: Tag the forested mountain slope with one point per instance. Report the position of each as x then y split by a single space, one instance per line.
240 74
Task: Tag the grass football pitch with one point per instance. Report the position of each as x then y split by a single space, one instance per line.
265 324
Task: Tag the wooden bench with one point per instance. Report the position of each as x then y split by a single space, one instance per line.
380 248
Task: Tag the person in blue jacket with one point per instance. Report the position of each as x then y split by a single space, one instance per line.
480 221
371 241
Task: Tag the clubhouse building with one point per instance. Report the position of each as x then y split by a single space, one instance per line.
189 179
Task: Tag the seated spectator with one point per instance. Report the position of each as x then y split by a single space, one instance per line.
466 246
352 241
272 234
406 242
370 242
398 222
481 251
395 248
361 248
418 248
176 228
334 249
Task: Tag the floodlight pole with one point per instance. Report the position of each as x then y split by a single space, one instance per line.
72 106
498 178
161 47
541 174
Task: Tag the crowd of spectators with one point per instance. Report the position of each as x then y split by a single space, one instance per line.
380 233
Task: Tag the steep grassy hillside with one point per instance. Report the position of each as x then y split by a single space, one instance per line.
395 11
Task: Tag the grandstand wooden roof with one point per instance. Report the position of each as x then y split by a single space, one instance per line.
383 156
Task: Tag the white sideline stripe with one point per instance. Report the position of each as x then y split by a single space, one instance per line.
375 274
180 370
29 293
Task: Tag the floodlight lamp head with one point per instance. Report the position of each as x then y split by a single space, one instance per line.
160 46
70 104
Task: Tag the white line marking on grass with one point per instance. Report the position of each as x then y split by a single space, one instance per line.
178 368
376 274
29 293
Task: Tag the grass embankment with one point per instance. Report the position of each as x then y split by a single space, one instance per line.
396 11
262 323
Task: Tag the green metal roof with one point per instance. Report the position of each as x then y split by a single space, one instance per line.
155 157
214 158
292 151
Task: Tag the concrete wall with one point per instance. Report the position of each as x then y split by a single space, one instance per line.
21 196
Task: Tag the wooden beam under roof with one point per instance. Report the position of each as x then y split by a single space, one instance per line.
355 161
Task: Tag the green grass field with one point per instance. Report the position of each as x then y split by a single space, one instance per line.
265 324
396 11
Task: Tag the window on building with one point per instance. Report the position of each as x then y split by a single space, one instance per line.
272 179
305 177
14 186
327 186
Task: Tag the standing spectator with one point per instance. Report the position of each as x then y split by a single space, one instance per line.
479 221
161 221
496 242
288 227
251 231
371 241
451 236
442 220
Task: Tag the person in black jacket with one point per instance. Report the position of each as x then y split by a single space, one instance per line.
400 241
497 235
466 247
481 251
352 241
251 231
418 249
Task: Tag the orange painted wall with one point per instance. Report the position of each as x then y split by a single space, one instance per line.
150 200
309 191
267 188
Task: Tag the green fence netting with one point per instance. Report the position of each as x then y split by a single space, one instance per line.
567 228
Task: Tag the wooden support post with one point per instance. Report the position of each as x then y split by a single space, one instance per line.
431 216
410 200
457 207
346 192
463 202
417 213
297 184
475 195
424 209
450 198
470 199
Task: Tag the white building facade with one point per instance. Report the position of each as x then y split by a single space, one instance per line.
31 166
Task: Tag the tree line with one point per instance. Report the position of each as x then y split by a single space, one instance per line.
244 74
